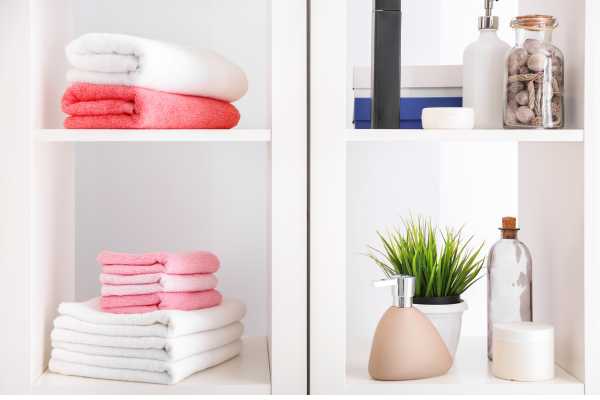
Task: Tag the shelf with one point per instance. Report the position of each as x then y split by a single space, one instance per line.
245 374
469 375
150 135
479 135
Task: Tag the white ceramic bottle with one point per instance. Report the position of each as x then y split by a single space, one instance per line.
483 73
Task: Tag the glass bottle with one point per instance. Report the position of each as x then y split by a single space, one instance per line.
534 76
509 280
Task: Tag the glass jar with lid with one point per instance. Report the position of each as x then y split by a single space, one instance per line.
534 76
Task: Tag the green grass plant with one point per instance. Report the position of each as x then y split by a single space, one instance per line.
446 267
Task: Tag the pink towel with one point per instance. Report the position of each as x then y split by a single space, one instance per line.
198 262
131 310
162 301
141 279
133 269
166 283
128 107
129 301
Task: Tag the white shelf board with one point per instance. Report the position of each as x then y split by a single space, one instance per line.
470 374
482 135
153 135
246 374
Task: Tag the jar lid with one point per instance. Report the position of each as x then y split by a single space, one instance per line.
535 22
523 332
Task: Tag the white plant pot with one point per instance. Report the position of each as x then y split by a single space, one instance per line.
447 318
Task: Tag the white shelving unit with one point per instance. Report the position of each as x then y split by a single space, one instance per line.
470 374
240 193
475 135
366 180
246 374
149 135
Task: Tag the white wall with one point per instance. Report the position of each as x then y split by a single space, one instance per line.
429 179
15 171
433 31
142 197
177 197
382 188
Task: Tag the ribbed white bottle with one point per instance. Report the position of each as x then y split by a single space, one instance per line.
483 76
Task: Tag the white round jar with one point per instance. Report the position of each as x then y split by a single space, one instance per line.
448 118
523 351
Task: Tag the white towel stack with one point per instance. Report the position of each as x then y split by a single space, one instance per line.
162 347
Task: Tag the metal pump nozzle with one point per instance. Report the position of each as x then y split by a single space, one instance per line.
403 289
488 21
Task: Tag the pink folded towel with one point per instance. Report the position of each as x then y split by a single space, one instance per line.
162 301
128 107
133 270
198 262
152 299
116 285
130 290
141 279
131 310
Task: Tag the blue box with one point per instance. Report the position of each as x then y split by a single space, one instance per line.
410 110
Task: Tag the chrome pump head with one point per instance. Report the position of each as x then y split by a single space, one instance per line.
488 22
403 289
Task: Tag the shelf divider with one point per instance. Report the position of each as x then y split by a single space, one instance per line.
153 135
477 135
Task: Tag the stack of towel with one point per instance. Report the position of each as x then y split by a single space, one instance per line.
128 82
138 283
157 347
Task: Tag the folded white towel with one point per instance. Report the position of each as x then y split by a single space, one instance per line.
112 59
137 370
126 285
146 347
151 354
162 323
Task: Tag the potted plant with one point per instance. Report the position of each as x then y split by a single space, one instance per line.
444 269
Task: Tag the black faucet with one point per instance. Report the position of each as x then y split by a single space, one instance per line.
385 67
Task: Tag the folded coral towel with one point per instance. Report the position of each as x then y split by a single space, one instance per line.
124 107
86 339
123 285
163 323
113 59
139 370
163 301
197 262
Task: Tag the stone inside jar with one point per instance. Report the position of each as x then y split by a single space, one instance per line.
534 86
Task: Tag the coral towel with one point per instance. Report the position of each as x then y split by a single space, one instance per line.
197 262
161 301
112 59
123 107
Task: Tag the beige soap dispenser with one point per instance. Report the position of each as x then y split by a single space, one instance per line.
406 345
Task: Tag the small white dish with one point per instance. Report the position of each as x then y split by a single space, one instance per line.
448 118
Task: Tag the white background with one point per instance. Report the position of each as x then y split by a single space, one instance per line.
147 197
453 183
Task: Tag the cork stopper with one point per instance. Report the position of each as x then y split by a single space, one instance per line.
509 228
